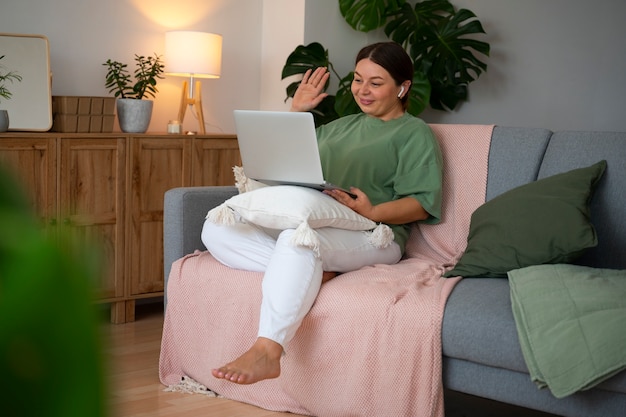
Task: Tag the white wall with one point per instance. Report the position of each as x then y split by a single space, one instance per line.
559 64
283 31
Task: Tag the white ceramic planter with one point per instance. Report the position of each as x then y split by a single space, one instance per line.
134 115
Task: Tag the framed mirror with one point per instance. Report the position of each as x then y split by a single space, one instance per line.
30 106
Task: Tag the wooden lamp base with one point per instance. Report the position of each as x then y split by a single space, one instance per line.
192 100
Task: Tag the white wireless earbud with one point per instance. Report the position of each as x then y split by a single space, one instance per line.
401 91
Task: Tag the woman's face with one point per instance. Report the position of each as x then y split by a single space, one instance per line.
376 92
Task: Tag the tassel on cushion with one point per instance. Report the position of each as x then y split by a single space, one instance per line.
381 236
305 236
240 179
221 214
243 183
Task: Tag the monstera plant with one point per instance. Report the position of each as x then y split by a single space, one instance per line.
441 41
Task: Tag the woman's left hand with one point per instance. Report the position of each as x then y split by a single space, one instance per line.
361 203
402 211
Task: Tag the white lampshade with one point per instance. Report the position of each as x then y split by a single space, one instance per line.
197 54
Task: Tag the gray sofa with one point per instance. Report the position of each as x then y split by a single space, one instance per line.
481 351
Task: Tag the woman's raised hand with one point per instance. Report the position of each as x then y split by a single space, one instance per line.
310 91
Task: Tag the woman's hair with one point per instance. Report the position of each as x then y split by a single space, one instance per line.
393 58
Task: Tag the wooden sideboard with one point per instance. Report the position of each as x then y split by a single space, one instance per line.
108 188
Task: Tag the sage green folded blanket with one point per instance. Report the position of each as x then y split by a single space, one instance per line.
571 322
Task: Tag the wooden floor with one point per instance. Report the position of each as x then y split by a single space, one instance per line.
135 391
132 362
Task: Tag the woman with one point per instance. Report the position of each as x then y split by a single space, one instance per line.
392 163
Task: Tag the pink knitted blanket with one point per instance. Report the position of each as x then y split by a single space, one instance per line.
371 344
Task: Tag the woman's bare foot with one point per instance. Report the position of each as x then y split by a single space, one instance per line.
261 361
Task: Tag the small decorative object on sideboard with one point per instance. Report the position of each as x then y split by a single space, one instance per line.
133 110
5 93
174 127
83 114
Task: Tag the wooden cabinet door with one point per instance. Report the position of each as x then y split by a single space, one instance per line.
156 165
32 163
213 160
92 183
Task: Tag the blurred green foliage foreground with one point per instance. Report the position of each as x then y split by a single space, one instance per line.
50 350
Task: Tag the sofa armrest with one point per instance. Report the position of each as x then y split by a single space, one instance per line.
184 210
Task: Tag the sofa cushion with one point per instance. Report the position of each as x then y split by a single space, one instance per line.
544 222
519 150
574 149
478 325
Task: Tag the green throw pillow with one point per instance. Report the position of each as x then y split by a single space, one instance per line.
543 222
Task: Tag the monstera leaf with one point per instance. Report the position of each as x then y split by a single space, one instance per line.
442 44
304 58
420 93
325 111
367 15
411 26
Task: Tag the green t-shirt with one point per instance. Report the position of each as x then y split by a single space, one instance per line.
387 160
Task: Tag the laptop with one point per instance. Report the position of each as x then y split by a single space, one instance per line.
280 148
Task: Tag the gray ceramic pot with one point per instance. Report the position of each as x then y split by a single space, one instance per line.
134 115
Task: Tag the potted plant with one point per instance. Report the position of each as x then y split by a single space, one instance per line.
134 107
5 93
443 43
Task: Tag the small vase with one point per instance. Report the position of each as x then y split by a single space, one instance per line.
4 120
134 115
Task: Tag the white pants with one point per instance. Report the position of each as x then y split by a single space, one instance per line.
293 274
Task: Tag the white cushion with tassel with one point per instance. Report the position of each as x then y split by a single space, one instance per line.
292 207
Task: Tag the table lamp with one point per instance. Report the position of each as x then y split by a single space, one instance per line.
194 55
